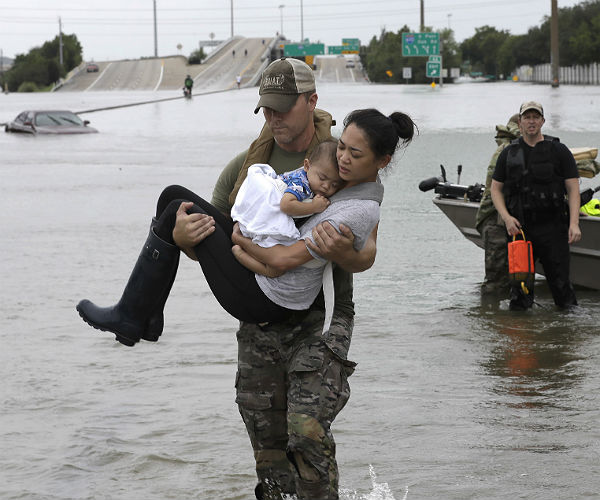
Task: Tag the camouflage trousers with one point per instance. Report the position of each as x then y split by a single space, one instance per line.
291 384
495 243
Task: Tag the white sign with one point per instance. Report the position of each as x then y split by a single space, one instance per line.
454 72
407 73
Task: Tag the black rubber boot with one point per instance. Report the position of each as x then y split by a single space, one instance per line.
156 321
144 294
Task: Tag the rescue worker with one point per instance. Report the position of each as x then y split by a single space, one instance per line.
292 381
532 176
490 225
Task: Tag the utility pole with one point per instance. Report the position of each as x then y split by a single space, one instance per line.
301 22
231 4
554 61
155 36
60 43
422 16
281 18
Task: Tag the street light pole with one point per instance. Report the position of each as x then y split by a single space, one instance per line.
231 3
554 61
422 16
155 37
301 22
60 43
281 18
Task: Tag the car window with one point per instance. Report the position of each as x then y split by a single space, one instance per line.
21 117
58 119
66 118
45 120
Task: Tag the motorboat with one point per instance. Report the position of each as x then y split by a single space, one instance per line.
460 204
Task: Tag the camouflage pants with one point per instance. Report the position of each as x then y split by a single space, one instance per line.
495 241
290 386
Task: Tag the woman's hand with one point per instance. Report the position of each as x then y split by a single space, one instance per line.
339 247
191 229
278 258
329 243
237 237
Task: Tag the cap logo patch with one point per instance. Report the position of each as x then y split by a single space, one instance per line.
273 82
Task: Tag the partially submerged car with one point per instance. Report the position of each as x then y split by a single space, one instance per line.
49 122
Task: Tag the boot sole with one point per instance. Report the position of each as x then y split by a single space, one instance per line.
123 340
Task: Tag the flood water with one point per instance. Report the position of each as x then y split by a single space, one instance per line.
452 398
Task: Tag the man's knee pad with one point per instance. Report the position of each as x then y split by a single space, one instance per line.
312 451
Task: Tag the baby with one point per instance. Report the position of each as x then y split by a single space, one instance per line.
267 203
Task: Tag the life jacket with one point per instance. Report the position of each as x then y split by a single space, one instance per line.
260 149
536 187
592 207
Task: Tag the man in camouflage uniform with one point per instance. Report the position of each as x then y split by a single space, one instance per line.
292 379
490 225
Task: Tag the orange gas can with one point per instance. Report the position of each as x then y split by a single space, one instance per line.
521 270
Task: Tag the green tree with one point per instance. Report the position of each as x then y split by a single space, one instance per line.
451 53
41 66
579 34
482 50
197 56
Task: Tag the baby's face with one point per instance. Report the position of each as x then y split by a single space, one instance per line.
324 178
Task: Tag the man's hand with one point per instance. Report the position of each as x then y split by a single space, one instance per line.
513 226
191 229
574 233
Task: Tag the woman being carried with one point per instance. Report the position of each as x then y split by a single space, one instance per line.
366 146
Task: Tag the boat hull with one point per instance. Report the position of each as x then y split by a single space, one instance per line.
585 254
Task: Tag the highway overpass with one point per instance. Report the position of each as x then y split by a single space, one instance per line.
246 57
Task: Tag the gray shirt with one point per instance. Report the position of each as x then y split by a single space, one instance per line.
356 207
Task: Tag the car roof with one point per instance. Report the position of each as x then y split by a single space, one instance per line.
48 111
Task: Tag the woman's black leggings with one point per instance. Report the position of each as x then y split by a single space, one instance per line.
232 284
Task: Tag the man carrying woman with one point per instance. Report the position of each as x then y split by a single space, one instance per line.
292 378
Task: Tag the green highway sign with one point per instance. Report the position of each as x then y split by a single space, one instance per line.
437 59
303 49
433 69
420 44
350 41
335 49
343 49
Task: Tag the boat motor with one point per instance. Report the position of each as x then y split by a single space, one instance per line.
446 189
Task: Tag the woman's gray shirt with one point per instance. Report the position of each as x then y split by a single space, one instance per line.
356 207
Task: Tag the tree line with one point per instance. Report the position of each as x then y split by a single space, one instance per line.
491 52
41 67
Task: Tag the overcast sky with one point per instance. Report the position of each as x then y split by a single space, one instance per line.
119 29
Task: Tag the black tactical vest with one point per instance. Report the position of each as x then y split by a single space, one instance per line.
538 186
